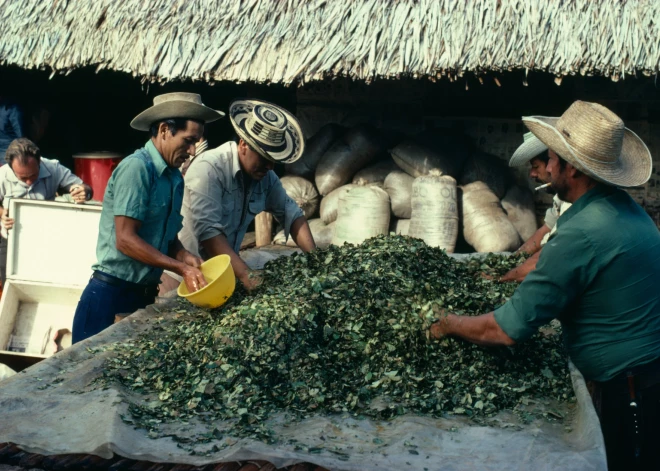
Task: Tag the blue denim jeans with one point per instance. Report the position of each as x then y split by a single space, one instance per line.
100 303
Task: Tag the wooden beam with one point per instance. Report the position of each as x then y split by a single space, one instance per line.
263 228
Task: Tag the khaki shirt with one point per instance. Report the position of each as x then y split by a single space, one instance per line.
215 201
53 177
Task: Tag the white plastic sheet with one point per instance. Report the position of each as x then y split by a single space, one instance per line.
55 407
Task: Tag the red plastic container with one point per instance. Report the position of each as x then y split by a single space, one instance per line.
95 169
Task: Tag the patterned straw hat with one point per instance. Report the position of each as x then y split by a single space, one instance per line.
530 148
269 129
594 140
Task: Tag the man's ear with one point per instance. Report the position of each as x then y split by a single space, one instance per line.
242 146
164 130
572 171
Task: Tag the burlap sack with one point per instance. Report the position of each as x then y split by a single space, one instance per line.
376 173
519 206
363 212
487 168
321 232
302 191
432 149
485 224
398 185
358 148
315 147
434 216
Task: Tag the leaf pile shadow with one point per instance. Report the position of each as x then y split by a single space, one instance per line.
341 330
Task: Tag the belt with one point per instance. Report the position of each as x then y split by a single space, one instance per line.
646 375
146 290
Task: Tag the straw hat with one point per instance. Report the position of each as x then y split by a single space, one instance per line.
175 105
269 129
595 141
530 148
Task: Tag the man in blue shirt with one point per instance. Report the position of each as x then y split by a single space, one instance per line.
598 274
141 216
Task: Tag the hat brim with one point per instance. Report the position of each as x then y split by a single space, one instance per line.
294 141
175 109
633 166
528 150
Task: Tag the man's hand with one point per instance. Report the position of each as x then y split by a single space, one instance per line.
7 222
252 280
78 193
194 278
189 259
438 329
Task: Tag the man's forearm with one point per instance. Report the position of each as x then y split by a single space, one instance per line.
135 247
218 245
176 250
482 330
533 244
521 271
302 235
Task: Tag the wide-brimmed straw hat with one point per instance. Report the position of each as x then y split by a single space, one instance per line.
175 105
530 148
594 140
269 129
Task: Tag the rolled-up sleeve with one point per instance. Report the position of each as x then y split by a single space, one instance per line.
551 217
565 268
206 197
65 178
131 189
283 208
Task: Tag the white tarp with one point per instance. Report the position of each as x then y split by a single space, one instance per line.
55 407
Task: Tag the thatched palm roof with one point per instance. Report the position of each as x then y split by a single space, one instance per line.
285 41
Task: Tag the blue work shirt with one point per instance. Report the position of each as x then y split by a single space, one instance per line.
142 187
599 276
217 202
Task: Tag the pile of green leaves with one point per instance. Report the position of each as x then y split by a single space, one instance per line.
341 330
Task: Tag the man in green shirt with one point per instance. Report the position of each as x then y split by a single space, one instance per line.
142 216
598 274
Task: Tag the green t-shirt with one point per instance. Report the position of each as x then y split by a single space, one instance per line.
142 187
600 276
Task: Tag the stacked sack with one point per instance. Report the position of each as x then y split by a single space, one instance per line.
355 183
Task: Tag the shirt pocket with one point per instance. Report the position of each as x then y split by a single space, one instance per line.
159 205
256 206
228 206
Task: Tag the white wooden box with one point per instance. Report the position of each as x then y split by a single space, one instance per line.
51 250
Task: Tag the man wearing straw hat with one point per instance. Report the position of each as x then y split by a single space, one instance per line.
228 186
598 274
141 216
532 150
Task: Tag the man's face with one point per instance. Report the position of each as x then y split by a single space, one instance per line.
177 148
26 173
538 171
558 176
252 163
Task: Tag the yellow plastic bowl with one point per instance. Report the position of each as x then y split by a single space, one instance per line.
221 283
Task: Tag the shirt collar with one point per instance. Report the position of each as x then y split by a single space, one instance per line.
156 158
597 192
